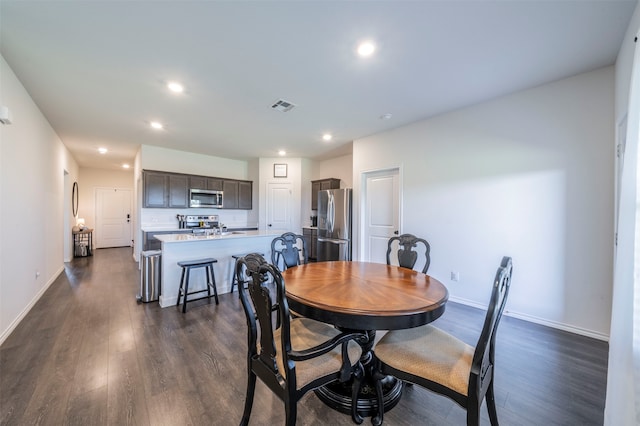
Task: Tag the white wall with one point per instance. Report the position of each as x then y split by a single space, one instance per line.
137 217
171 160
91 179
34 201
529 175
309 172
339 168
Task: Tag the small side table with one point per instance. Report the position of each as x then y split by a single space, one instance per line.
83 243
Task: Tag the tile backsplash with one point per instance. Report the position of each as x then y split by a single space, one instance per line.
166 218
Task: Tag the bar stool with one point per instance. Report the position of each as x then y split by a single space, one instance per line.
235 280
186 266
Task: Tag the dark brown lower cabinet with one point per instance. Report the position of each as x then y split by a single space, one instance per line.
311 236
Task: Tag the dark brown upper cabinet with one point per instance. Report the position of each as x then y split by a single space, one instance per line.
171 190
320 185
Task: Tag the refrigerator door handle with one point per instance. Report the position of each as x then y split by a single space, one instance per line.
329 240
330 212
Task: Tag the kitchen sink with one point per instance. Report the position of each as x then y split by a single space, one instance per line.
231 233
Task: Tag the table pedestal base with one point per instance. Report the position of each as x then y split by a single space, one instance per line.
338 395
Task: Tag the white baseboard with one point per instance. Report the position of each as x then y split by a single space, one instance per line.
27 308
537 320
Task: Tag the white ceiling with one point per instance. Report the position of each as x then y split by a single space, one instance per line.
98 69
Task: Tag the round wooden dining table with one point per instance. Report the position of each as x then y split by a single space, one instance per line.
364 296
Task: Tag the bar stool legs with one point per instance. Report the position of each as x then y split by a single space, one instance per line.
183 292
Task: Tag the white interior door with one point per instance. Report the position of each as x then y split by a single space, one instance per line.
279 206
113 217
381 213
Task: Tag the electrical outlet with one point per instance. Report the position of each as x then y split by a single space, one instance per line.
455 276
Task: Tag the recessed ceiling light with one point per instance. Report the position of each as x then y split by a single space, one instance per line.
102 150
125 166
366 48
327 137
385 116
156 125
175 87
282 152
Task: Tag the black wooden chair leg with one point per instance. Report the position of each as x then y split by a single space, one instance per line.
473 413
234 279
491 405
291 409
248 402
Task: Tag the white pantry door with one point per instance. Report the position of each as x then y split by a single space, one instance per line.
381 214
279 206
113 217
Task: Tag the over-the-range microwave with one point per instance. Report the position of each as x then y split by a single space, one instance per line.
205 198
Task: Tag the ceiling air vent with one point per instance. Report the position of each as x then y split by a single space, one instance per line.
282 105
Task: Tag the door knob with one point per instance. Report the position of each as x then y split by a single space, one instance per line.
395 232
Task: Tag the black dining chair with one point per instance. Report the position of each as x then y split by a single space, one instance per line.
406 255
290 355
289 250
436 360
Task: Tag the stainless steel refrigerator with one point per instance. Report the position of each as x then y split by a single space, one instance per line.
334 224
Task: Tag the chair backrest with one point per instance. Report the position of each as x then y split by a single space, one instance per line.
483 357
265 287
406 254
289 250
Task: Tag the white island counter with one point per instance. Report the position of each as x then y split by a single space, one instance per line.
179 247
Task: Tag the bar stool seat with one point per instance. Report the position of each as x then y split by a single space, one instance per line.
186 266
234 280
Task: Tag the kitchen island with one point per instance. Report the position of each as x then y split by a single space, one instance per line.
180 247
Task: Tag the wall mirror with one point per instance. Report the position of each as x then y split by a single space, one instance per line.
74 200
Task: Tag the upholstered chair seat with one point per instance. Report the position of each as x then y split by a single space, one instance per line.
307 333
430 353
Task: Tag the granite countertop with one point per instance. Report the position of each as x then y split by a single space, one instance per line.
178 238
170 228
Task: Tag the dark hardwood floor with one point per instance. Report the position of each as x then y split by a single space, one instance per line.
88 354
